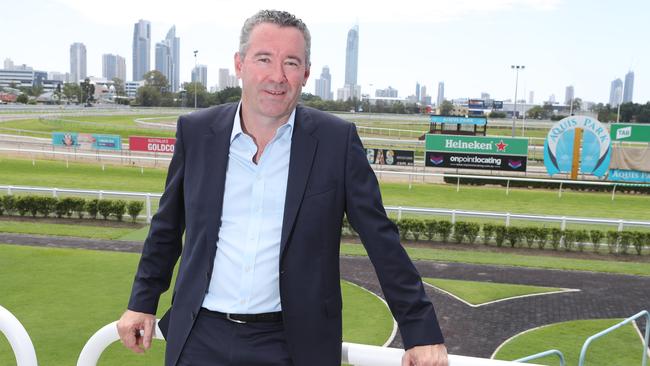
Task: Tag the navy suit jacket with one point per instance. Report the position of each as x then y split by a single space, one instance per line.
329 175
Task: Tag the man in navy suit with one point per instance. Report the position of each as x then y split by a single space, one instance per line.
260 189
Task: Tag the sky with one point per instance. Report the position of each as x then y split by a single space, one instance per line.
469 45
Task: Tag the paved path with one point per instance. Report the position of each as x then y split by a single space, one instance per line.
470 331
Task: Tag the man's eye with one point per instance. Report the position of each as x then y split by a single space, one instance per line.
264 60
291 63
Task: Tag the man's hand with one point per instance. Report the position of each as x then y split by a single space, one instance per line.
432 355
129 327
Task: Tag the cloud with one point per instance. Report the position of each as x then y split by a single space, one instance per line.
230 13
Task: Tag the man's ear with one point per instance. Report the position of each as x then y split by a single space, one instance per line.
238 64
307 72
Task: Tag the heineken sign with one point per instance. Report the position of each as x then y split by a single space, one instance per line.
630 132
476 152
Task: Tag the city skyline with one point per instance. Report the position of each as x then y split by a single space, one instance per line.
469 46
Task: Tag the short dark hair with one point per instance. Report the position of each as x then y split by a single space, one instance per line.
281 18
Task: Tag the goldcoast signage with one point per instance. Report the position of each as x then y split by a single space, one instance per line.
577 141
476 152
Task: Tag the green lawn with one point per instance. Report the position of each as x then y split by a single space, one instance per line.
82 231
622 347
477 293
531 261
63 296
120 178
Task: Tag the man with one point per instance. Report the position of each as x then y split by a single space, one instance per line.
260 189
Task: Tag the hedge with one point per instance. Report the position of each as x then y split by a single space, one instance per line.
60 207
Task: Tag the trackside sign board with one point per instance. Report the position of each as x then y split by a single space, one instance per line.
152 144
476 152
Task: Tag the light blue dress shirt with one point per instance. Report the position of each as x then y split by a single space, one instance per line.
245 277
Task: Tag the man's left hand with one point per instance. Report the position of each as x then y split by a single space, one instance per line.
431 355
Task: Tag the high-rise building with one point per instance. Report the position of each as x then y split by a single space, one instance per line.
441 93
77 62
324 84
568 94
113 66
423 94
615 92
9 64
168 57
628 87
352 57
531 97
417 91
141 49
200 74
59 76
389 92
485 96
226 80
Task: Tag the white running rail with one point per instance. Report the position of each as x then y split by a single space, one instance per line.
18 338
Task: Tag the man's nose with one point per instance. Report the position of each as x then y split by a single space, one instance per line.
277 73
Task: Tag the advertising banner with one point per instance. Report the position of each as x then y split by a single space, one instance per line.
152 144
594 154
630 132
477 144
442 159
87 141
479 121
390 157
629 176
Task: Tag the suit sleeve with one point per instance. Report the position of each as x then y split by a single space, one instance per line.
399 279
164 243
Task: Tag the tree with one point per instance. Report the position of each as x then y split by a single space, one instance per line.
119 86
577 104
22 98
71 91
537 112
228 95
87 91
148 96
156 79
446 107
202 96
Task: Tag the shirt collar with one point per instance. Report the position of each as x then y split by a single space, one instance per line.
281 132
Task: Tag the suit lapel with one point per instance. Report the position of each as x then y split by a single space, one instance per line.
217 147
303 149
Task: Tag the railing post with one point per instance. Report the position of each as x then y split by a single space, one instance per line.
559 192
399 213
620 225
148 205
507 219
453 217
100 194
508 187
613 192
563 223
54 192
9 191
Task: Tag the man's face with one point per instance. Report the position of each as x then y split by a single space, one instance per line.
273 71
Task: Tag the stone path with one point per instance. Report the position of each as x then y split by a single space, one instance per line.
468 330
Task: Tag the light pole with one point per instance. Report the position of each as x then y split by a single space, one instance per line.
514 111
196 78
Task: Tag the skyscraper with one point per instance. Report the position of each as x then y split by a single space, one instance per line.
568 95
628 88
170 58
441 93
164 62
141 49
531 97
324 84
113 66
423 94
615 91
417 91
352 57
77 62
227 80
200 74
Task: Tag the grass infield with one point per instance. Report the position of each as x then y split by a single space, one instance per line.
621 347
477 293
63 296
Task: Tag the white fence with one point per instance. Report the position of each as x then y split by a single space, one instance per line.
453 214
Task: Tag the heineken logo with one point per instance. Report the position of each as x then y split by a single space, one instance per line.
473 145
477 144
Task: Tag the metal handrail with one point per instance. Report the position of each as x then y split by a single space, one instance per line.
644 361
351 353
543 354
18 338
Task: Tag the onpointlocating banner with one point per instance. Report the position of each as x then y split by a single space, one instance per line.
476 152
87 141
390 157
152 144
630 132
629 176
595 152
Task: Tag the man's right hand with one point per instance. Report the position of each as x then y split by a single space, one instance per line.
129 327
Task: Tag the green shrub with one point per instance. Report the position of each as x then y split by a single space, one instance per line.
471 232
444 230
460 229
118 208
45 205
32 203
581 238
78 206
529 234
92 207
612 240
569 239
134 208
541 234
430 228
488 233
638 240
500 233
105 208
627 238
63 207
417 228
22 205
8 203
403 225
556 238
514 235
596 236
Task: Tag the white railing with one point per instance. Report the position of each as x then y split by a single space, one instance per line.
452 213
507 217
18 338
351 353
